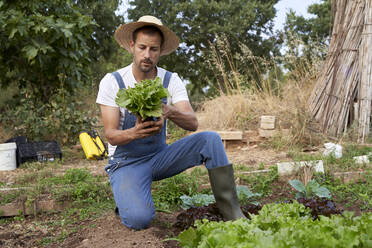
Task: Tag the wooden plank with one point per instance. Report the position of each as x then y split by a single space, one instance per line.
231 135
253 172
17 208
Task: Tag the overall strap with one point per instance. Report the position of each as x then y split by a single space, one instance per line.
166 79
119 79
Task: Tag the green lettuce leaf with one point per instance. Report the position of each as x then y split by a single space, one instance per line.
144 99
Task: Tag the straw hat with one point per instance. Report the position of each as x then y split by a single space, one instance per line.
124 33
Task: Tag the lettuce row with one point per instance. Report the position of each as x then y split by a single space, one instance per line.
280 226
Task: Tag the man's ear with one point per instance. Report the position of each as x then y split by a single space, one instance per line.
131 46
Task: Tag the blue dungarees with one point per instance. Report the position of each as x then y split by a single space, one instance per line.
134 166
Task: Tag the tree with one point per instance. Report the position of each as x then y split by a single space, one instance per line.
103 13
306 40
52 44
198 22
316 28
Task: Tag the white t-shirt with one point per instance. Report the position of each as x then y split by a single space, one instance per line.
109 87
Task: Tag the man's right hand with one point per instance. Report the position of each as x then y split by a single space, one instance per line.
115 136
144 129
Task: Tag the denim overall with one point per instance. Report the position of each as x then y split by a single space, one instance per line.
134 166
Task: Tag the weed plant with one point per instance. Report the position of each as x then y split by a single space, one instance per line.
261 183
355 194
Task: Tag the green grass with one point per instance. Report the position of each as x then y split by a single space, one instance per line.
261 183
166 193
89 199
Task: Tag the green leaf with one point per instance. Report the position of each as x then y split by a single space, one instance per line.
66 32
297 185
197 200
11 35
31 52
322 192
188 238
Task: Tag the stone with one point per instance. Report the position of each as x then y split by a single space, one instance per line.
289 168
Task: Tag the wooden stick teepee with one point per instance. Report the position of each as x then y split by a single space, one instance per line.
346 80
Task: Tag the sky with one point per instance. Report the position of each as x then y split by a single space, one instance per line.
283 7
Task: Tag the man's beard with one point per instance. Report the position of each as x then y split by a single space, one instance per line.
147 68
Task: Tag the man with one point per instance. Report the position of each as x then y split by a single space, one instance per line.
138 153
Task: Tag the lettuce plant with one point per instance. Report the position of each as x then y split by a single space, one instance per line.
281 226
145 99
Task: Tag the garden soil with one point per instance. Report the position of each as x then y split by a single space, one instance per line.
107 230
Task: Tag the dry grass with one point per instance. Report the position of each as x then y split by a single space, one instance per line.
240 108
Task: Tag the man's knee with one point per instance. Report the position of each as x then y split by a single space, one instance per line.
138 219
211 136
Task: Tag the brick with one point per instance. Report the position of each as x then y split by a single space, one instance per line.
266 133
267 122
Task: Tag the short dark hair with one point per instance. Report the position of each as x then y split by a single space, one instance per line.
148 30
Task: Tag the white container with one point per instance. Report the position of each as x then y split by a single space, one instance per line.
8 156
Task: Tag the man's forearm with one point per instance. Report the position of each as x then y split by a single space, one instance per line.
185 120
119 137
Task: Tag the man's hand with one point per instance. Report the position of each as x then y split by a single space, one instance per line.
115 136
144 129
167 110
181 114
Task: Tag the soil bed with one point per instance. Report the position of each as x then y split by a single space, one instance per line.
106 230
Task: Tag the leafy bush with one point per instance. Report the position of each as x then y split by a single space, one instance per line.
279 226
62 118
311 189
50 43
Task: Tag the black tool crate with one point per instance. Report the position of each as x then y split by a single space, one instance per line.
39 151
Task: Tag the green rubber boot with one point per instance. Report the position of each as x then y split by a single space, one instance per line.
224 190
